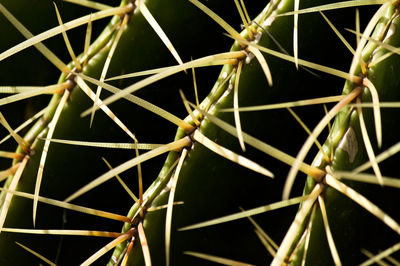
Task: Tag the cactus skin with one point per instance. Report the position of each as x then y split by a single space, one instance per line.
195 174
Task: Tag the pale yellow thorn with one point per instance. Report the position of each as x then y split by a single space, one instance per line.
310 140
66 40
67 26
218 19
254 50
168 216
282 49
377 110
265 243
296 226
340 36
368 145
90 4
161 207
381 157
176 145
357 59
358 31
371 255
188 109
85 88
88 37
123 184
10 171
219 260
20 89
244 21
308 131
140 73
21 142
363 66
368 178
264 147
308 64
140 180
49 262
107 248
140 176
245 12
228 154
26 123
217 62
107 63
144 244
382 255
272 246
62 232
170 71
269 244
70 206
128 251
296 34
46 146
11 155
334 6
195 87
363 202
328 99
109 145
134 99
247 213
236 106
12 187
27 34
393 260
331 242
156 27
380 104
382 58
31 93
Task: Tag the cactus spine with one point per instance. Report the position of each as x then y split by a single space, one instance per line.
206 171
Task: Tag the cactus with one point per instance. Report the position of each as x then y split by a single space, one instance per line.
196 198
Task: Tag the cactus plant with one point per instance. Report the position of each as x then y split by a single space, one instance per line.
189 204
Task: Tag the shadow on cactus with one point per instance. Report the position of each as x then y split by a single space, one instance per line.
229 187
